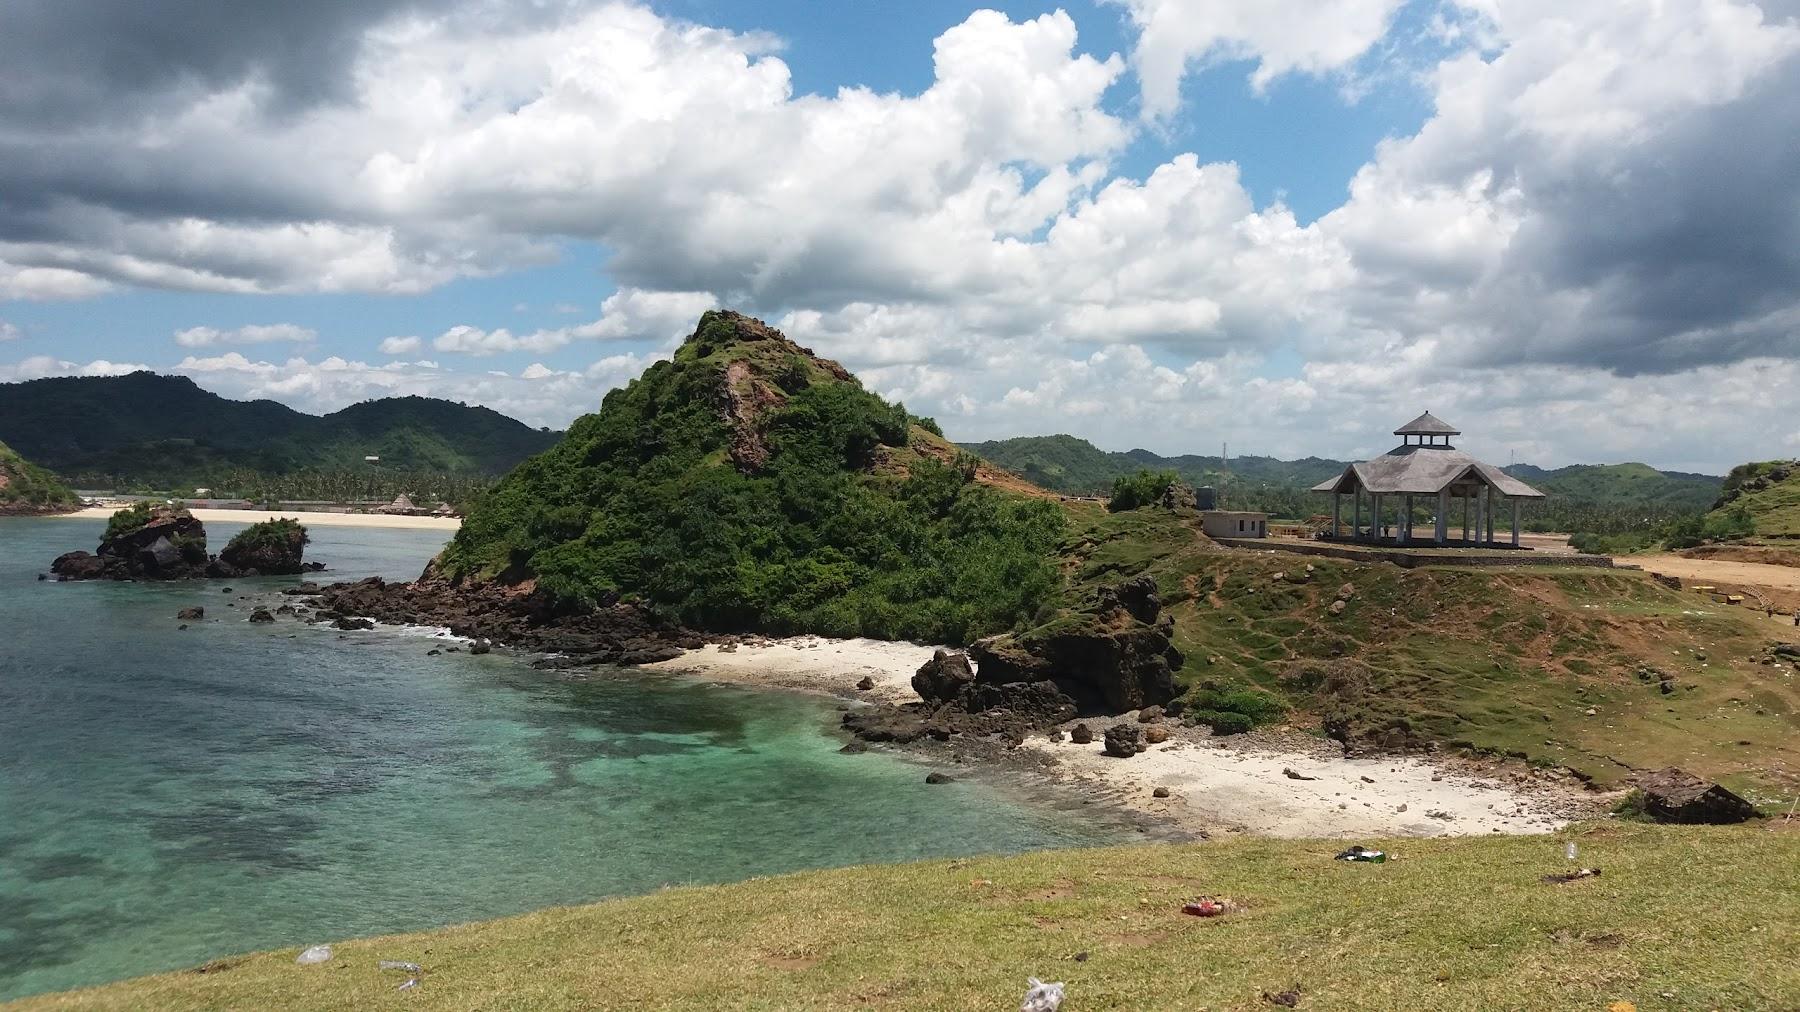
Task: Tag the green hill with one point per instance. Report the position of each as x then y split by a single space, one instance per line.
1064 463
166 432
28 489
1625 484
746 484
1769 492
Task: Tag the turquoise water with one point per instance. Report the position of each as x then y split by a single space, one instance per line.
167 797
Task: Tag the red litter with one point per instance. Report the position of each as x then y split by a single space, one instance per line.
1205 906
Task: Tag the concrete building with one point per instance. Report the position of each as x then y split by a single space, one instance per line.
1227 524
1426 466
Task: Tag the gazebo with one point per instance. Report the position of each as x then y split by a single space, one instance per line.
1425 464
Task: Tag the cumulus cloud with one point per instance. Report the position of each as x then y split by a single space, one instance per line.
202 337
1602 204
1279 36
45 366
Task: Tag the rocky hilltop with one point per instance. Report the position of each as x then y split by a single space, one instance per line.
29 490
146 542
749 486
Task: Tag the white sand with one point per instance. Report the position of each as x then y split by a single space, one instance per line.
314 519
1214 786
832 667
1218 788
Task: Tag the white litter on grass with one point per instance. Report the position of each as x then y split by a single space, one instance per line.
1042 997
314 954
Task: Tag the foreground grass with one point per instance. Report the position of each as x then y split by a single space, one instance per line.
1681 918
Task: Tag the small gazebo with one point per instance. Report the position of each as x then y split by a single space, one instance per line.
1425 464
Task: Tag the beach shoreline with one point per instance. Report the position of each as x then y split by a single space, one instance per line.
373 520
1215 786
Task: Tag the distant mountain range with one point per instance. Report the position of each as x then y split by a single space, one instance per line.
165 431
1068 464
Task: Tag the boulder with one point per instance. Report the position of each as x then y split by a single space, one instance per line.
939 778
1081 734
261 615
483 646
270 548
1124 740
80 566
1112 657
865 684
354 623
191 614
1150 714
1674 795
1156 734
943 678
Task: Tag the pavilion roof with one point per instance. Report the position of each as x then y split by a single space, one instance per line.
1425 470
1427 424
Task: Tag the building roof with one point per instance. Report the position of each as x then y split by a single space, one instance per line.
1426 470
1427 424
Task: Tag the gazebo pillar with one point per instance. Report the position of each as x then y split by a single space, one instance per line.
1356 521
1493 508
1443 507
1337 511
1481 518
1465 525
1375 515
1515 506
1406 521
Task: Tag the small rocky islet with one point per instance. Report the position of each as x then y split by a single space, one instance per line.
163 542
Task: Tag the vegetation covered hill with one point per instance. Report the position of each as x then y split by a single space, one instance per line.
1603 671
26 488
1585 496
166 432
1682 917
1768 493
746 484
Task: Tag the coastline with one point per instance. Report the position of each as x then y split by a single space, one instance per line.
1238 785
377 520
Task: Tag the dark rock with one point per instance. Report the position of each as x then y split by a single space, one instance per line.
182 627
1786 650
191 614
1291 775
1150 714
1124 740
1160 792
939 778
1113 657
1081 734
286 609
301 589
943 678
354 623
261 615
170 545
433 652
866 683
43 576
224 590
854 747
82 566
1674 795
267 549
483 646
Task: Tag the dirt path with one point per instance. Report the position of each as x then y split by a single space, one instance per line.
1779 584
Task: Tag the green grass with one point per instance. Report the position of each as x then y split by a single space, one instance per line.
1506 661
1689 918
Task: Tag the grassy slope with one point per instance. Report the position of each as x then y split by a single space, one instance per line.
1507 660
1624 483
25 485
1709 917
1775 508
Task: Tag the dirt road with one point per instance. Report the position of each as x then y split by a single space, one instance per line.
1779 584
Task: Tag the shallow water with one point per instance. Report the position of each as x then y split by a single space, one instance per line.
167 797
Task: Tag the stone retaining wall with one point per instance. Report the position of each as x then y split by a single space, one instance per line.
1407 560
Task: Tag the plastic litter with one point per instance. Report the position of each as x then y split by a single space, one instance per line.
394 964
1042 997
1570 850
1205 906
1572 876
314 954
414 982
1358 852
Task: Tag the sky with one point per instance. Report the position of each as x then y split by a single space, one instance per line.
1572 230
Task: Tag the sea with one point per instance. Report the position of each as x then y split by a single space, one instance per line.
171 796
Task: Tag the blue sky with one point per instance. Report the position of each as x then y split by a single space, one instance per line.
1088 205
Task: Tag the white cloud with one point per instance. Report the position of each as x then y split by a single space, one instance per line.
205 337
401 345
46 283
10 331
1279 36
627 315
45 366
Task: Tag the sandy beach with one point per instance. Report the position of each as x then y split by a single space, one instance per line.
1215 786
315 519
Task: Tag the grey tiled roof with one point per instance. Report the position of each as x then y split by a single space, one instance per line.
1426 470
1427 424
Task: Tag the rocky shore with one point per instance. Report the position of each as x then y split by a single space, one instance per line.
169 543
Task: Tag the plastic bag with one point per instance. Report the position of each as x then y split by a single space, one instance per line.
314 954
1042 997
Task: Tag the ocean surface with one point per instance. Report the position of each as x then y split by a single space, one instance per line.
168 796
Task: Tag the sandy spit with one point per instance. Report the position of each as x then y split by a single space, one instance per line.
314 519
1215 786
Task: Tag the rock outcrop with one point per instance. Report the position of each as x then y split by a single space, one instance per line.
153 543
1674 795
1115 656
272 548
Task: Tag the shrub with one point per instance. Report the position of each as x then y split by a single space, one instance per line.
272 534
1135 491
127 521
1225 722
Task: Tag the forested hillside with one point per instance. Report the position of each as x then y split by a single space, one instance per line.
26 488
166 432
